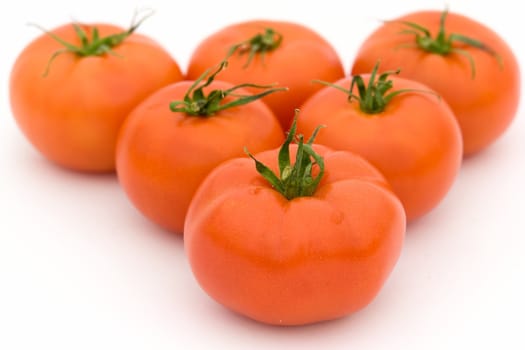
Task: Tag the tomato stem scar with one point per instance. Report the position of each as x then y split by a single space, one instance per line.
295 180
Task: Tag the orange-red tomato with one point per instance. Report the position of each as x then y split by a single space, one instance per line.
297 261
484 101
301 56
163 156
415 141
73 113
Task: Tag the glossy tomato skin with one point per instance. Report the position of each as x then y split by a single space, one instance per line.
163 156
415 142
302 56
484 105
299 261
72 115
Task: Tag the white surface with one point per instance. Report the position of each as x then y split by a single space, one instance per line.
80 268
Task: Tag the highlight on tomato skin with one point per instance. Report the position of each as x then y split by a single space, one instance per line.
266 51
467 63
72 87
299 259
400 126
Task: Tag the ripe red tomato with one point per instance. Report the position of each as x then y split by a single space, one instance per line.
467 63
412 138
163 156
71 108
266 52
297 256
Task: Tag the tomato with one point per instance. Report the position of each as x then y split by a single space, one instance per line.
309 256
71 104
267 52
467 63
412 138
163 156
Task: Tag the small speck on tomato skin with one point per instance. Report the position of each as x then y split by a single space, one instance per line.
255 190
337 217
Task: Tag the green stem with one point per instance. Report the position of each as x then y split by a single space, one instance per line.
294 180
444 45
260 43
93 44
196 103
374 97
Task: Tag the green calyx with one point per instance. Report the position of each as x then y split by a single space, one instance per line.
92 44
295 180
196 103
374 97
261 43
443 44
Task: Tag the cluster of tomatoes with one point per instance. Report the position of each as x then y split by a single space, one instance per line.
293 198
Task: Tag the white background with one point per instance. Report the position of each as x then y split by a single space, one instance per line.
80 268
